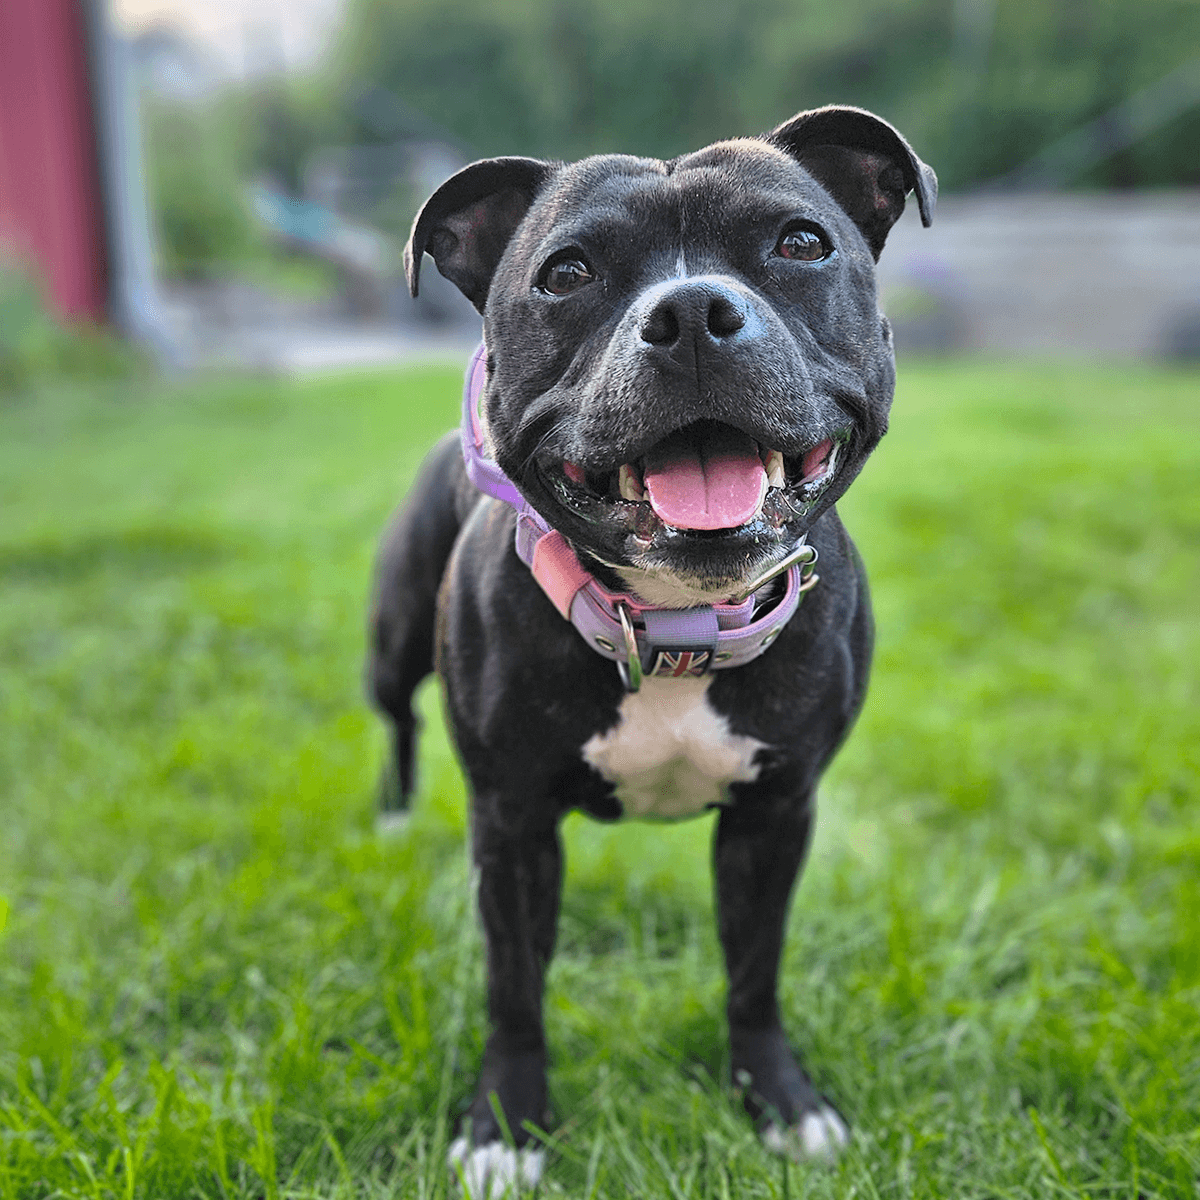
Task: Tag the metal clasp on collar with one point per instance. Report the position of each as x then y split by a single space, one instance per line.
803 556
631 670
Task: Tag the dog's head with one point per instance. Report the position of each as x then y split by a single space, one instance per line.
686 360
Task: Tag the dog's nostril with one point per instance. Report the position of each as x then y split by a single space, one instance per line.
661 327
691 313
724 317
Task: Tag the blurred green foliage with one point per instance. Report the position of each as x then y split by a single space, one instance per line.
282 121
200 159
34 347
195 162
978 85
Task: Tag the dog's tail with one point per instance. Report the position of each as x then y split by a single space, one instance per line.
412 557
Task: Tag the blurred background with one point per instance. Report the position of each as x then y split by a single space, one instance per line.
215 184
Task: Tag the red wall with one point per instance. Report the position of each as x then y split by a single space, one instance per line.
51 211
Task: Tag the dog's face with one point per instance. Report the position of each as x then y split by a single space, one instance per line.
687 364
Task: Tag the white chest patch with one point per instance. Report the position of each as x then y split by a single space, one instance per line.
669 754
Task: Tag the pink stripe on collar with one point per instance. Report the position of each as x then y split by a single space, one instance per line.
556 568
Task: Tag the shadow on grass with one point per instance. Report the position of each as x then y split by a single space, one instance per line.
151 550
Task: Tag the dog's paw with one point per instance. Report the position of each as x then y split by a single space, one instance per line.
495 1170
817 1137
391 822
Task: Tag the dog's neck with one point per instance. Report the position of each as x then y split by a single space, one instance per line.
669 591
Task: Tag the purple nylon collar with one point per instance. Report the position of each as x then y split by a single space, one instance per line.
642 639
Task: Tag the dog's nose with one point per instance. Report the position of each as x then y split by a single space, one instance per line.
693 310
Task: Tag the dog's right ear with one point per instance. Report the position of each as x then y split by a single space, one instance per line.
466 224
863 162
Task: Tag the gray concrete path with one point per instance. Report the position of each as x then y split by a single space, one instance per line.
235 326
1077 274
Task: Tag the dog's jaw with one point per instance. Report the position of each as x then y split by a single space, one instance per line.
797 481
673 567
664 589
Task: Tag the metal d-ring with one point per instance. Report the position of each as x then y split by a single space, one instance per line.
803 554
630 671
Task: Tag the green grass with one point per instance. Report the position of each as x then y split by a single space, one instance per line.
216 981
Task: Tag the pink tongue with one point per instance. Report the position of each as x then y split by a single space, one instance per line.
707 477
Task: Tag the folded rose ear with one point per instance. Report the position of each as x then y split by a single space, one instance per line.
466 224
863 163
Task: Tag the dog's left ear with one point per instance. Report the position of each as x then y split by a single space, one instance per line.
466 224
863 163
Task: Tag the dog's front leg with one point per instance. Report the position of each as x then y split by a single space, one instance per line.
759 849
520 877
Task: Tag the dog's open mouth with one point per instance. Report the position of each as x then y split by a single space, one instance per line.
705 478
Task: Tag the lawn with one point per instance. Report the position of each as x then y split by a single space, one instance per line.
216 980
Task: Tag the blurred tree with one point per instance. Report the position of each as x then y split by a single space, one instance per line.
198 199
979 85
282 121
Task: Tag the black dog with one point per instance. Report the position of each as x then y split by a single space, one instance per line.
686 366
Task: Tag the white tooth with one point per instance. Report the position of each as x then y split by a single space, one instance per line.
629 483
774 466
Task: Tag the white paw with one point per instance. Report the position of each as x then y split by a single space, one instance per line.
391 822
819 1137
489 1172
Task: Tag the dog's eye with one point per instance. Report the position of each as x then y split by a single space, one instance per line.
803 245
565 275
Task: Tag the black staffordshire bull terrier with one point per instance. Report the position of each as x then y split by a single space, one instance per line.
685 367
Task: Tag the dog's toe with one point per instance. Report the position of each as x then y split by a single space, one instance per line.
494 1170
391 822
817 1137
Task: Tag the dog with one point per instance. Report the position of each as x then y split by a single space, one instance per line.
612 563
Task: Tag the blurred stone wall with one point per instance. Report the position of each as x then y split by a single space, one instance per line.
1109 275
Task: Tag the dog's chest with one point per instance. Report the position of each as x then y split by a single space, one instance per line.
670 753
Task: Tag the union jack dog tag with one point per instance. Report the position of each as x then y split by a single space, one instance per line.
676 663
